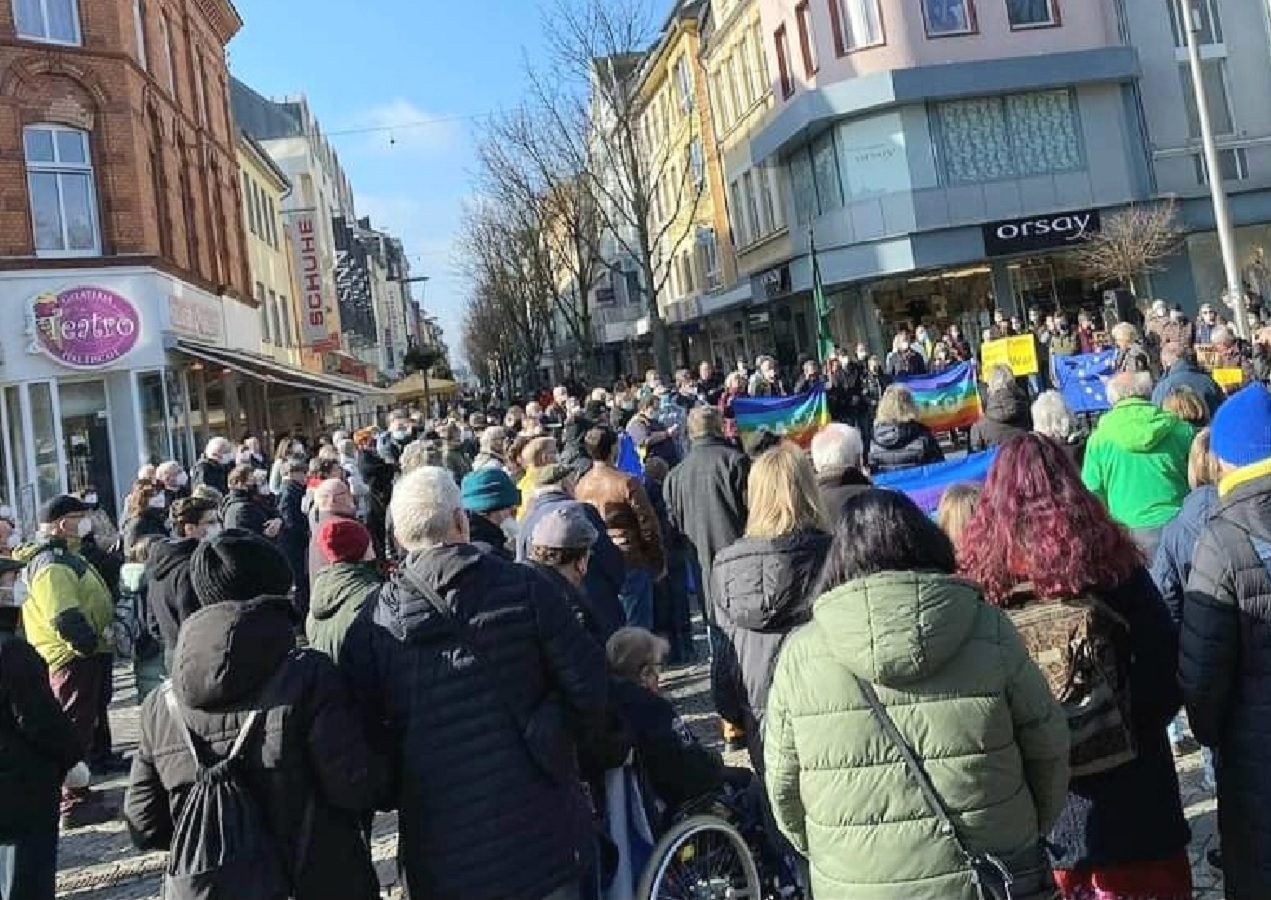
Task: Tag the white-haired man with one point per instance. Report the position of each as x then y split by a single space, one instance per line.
214 468
1136 459
838 455
1131 357
460 650
172 478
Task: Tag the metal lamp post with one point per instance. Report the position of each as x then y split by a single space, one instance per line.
1189 19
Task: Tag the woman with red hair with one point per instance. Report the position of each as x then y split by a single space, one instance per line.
1043 547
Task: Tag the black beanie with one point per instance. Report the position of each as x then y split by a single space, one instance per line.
237 566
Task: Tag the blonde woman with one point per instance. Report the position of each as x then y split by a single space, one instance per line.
900 440
760 584
957 506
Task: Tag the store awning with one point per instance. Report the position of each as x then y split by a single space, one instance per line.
273 372
413 386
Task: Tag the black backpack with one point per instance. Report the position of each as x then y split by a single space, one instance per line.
222 847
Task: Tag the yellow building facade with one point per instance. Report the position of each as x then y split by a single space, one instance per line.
269 255
688 212
741 104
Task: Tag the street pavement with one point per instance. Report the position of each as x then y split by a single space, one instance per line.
99 863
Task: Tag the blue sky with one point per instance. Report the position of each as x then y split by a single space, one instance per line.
397 62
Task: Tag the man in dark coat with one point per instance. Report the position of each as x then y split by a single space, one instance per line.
1181 370
214 468
1226 631
706 493
606 570
490 500
1006 412
37 749
308 765
293 537
838 455
460 648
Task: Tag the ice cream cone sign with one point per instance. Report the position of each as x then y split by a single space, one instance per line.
47 310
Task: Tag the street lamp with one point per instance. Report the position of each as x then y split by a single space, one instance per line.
1189 20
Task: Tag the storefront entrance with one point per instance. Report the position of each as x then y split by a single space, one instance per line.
86 440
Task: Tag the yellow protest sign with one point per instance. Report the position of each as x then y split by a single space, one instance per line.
1229 378
1018 352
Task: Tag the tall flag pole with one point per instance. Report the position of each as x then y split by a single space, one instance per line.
825 340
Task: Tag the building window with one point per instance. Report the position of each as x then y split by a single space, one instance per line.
752 205
750 79
684 80
782 41
825 168
990 138
803 185
807 40
720 97
1231 163
856 24
1214 76
284 318
139 22
200 89
1032 13
170 69
63 198
272 221
697 163
737 217
265 325
54 21
708 257
948 17
1205 21
767 206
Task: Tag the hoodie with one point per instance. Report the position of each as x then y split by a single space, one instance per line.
1136 463
1006 414
308 765
902 445
170 595
957 681
339 593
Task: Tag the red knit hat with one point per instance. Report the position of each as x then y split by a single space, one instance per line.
343 540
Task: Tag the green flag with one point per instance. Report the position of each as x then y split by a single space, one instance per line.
825 341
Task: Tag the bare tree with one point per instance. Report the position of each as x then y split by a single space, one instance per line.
1132 243
644 189
534 170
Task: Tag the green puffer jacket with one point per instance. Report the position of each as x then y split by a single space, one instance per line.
957 681
339 593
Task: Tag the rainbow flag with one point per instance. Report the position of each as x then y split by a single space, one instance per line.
948 400
796 418
925 485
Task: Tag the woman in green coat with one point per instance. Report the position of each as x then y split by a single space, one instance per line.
954 677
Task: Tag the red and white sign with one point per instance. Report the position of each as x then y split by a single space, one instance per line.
316 331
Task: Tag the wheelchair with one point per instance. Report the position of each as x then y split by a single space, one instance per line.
716 848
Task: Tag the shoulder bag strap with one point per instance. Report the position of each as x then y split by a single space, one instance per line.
464 635
916 770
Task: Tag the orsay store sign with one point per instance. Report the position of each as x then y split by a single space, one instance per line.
1039 232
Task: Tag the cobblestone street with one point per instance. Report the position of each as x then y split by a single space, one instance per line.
99 863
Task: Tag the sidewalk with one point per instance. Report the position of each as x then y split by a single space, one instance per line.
99 863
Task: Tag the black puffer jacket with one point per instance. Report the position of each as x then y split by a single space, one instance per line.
240 510
37 745
231 659
212 473
171 596
1225 663
479 819
760 587
902 445
1006 414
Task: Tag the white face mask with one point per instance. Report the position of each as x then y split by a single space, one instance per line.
183 480
263 489
211 531
6 512
85 527
91 499
13 541
511 529
158 501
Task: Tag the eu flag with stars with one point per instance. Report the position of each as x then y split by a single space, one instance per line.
1083 380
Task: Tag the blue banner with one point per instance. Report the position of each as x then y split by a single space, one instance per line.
925 485
1082 380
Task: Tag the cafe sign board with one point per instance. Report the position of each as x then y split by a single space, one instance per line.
1050 232
82 327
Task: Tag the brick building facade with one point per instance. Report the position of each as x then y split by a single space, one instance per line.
143 84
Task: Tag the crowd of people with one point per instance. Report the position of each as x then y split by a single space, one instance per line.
463 619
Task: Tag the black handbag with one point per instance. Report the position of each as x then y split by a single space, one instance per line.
544 731
1022 876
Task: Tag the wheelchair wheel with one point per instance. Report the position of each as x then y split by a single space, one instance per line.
701 858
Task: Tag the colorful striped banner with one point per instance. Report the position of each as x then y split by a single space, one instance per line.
796 418
948 400
925 485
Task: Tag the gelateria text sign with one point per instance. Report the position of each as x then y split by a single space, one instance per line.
1049 232
316 332
83 327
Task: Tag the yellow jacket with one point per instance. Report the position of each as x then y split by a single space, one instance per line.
68 609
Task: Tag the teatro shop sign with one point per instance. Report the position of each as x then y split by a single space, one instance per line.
1050 232
82 327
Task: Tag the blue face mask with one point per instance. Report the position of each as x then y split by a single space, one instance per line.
400 435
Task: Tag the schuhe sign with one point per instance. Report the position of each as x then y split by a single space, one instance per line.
1039 232
315 329
83 327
